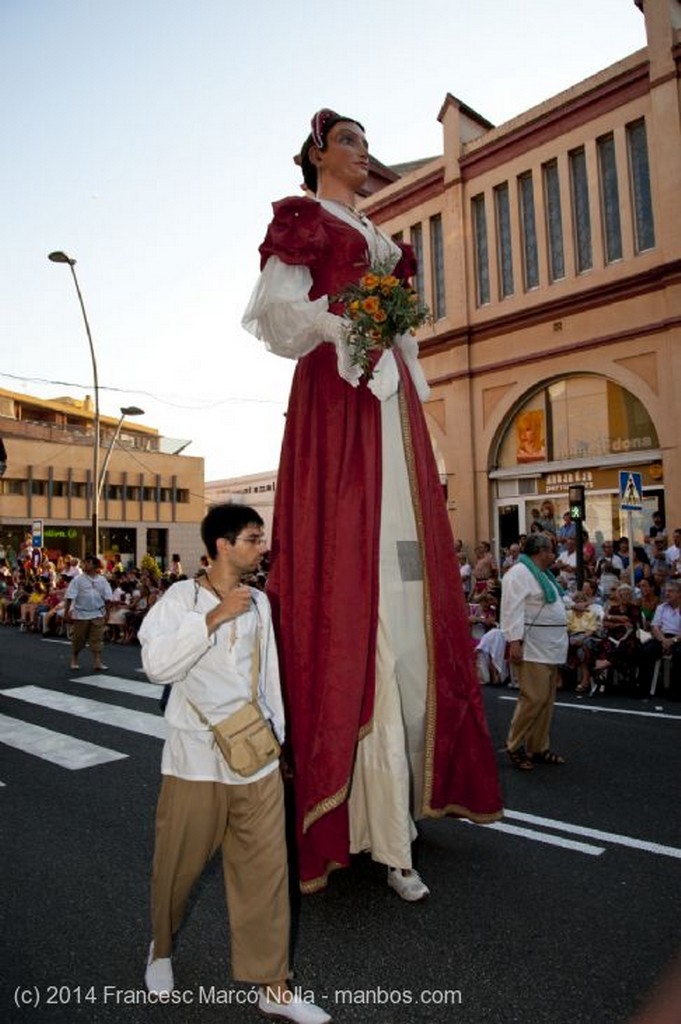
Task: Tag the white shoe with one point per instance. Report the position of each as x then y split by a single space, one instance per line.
158 976
294 1008
410 887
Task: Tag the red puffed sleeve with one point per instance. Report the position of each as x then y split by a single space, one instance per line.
407 265
296 234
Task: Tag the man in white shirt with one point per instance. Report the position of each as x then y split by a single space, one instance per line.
212 638
673 554
533 620
666 630
88 599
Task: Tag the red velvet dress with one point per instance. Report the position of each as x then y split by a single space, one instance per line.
324 579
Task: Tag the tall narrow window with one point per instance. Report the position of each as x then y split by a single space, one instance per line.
416 239
481 253
528 227
580 210
640 186
504 252
437 256
610 198
554 220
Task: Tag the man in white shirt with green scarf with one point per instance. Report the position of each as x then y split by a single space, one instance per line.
533 620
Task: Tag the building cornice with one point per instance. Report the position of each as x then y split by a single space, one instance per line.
382 208
642 283
513 141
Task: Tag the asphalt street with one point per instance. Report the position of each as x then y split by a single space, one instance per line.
565 913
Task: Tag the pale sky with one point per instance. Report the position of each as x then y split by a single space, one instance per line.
148 139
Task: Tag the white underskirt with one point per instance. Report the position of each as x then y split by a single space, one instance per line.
388 777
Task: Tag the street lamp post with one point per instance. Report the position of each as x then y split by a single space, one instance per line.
62 257
126 410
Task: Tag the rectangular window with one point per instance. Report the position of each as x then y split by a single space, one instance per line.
610 198
437 256
481 253
416 239
581 215
554 220
504 252
639 171
8 486
528 228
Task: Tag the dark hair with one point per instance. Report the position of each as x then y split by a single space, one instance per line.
227 521
308 168
537 542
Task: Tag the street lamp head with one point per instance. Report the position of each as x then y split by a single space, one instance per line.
61 257
131 410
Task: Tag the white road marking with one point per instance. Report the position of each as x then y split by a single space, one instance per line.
66 751
608 710
545 837
108 714
594 833
119 684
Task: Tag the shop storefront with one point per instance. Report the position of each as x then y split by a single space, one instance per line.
581 429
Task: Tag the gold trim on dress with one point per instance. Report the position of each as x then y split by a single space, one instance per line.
317 884
329 803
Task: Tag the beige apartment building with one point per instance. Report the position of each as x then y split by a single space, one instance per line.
151 496
550 255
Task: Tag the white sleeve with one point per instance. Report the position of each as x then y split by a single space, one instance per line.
173 637
512 617
281 313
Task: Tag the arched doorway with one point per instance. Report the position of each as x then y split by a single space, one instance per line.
578 429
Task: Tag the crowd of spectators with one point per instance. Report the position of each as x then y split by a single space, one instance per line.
623 621
33 591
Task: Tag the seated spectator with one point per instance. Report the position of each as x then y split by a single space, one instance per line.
673 556
28 610
623 551
588 553
648 601
491 662
565 565
641 564
465 571
55 605
619 647
666 641
139 606
658 557
118 611
484 568
482 614
568 529
511 557
656 531
583 626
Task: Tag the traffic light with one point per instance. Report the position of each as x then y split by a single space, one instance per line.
576 503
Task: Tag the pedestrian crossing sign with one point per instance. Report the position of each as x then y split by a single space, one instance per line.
631 491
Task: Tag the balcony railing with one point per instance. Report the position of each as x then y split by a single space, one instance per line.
31 430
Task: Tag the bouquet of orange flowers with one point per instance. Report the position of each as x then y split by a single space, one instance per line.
379 307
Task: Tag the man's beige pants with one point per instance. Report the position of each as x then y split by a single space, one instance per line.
533 713
193 819
88 631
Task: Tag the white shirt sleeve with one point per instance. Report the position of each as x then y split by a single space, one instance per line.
281 313
173 637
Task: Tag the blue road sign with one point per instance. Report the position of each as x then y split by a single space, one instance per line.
631 491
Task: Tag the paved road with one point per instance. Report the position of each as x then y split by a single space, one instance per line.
565 913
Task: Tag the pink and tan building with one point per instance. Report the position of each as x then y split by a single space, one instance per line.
550 252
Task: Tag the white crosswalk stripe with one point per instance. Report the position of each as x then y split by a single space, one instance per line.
119 684
65 751
68 751
83 707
